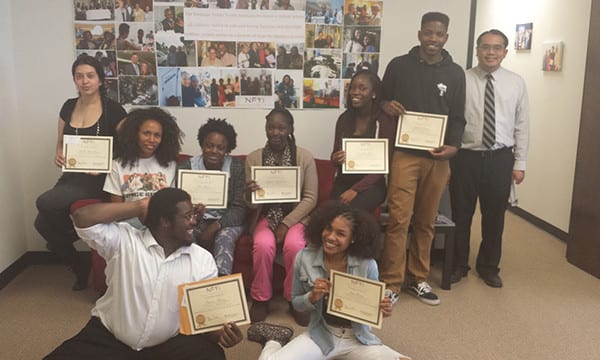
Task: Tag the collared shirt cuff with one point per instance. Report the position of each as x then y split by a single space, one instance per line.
520 165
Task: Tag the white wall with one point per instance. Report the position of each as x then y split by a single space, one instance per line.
40 73
12 228
555 97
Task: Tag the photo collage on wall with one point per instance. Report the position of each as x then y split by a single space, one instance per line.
148 60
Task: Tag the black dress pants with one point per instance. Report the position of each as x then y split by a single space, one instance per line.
95 342
53 221
486 175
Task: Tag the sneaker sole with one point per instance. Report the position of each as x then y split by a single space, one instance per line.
425 300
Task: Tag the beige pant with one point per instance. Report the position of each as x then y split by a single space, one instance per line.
415 187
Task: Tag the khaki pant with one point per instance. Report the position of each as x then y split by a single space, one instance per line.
416 185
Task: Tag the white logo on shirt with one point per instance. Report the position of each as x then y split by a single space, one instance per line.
442 88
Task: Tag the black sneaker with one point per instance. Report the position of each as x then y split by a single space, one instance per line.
423 292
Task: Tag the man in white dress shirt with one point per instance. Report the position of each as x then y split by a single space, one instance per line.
486 165
137 318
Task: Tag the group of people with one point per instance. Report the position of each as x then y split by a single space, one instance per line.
165 229
360 16
256 55
133 10
361 42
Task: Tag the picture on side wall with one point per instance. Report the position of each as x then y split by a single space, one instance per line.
553 55
523 36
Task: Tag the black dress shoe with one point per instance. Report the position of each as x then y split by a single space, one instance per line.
492 280
259 311
458 274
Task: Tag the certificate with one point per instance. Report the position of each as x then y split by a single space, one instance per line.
205 187
87 153
421 131
206 305
278 184
365 156
355 298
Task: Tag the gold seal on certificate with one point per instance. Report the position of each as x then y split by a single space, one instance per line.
87 153
338 304
278 184
200 319
206 187
421 131
365 156
209 304
355 298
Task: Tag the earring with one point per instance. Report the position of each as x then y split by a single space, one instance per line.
374 97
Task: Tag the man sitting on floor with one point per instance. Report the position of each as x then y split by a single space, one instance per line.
138 317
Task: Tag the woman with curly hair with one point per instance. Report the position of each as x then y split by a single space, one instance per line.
339 238
279 227
144 162
92 113
219 229
363 118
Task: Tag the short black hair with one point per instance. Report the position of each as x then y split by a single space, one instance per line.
435 16
493 32
127 150
163 204
220 126
366 243
123 29
375 83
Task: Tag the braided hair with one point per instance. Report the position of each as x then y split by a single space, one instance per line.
289 119
348 117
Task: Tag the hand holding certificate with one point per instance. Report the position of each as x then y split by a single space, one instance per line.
278 184
207 305
87 153
205 187
365 156
356 298
421 131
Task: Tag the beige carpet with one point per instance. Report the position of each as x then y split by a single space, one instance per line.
548 309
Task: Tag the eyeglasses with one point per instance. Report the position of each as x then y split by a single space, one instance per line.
494 48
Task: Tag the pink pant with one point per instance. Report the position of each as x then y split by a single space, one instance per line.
263 255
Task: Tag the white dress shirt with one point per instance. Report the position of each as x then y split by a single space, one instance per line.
140 306
512 112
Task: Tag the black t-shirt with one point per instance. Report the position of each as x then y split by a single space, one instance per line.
113 112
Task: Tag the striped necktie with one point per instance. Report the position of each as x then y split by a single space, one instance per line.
489 115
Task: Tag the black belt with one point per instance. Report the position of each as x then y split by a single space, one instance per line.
487 153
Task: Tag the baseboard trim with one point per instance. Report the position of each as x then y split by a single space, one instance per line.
27 259
13 270
539 223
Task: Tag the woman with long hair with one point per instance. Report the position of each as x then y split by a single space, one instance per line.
279 227
92 113
339 238
149 142
363 118
219 229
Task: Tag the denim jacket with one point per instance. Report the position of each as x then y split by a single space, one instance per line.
309 267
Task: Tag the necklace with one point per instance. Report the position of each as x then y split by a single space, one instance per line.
97 129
